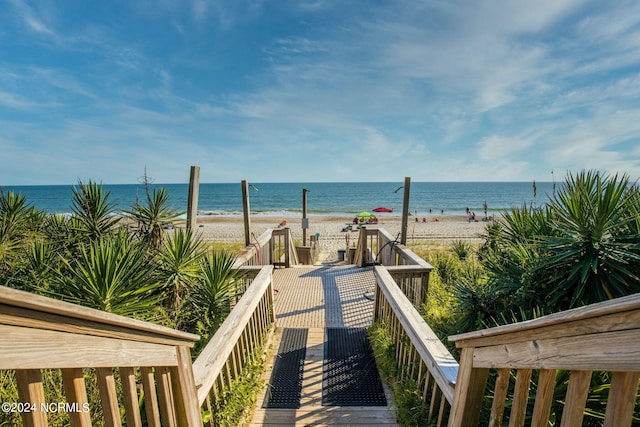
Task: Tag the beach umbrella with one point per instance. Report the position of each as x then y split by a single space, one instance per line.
382 209
365 215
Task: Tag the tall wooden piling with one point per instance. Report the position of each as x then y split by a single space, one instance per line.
246 211
192 203
405 210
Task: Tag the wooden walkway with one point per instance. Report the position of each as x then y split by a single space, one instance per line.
317 298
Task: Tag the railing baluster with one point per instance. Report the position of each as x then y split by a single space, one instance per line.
108 396
622 399
130 397
499 397
573 411
544 398
150 397
31 392
165 396
75 390
520 398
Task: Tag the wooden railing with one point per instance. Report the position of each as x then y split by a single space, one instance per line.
603 337
235 343
420 355
410 272
273 247
38 333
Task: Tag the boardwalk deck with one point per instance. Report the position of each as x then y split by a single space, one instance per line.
317 298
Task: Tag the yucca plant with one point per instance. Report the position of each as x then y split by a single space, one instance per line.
14 211
153 216
113 274
461 249
212 297
93 212
179 266
594 251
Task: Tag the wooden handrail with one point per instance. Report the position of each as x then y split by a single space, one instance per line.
265 249
22 308
59 335
420 354
250 318
250 254
409 271
599 337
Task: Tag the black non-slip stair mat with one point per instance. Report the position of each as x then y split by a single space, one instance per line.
285 386
351 376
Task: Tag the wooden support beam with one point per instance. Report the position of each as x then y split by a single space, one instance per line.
192 203
405 210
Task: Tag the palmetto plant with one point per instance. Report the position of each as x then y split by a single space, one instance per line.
112 274
14 214
93 211
153 216
179 266
213 295
594 252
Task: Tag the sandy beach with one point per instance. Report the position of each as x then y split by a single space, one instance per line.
441 229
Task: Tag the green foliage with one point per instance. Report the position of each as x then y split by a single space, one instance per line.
411 409
582 248
89 260
594 253
213 295
111 274
232 407
94 213
179 260
153 216
461 249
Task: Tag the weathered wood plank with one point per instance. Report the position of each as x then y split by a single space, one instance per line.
573 411
469 391
18 316
611 351
52 349
213 357
544 398
130 397
165 397
622 399
499 397
442 365
31 392
617 307
108 397
184 390
30 301
520 398
150 397
75 391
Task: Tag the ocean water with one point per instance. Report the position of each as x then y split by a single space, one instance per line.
285 199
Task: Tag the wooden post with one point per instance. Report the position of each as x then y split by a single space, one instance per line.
192 203
405 210
246 211
363 246
287 247
304 216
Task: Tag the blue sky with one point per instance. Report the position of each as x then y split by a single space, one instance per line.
317 90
